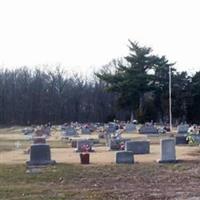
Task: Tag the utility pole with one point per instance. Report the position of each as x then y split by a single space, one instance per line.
170 98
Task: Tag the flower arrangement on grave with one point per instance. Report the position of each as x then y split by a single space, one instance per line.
193 137
85 148
84 155
122 146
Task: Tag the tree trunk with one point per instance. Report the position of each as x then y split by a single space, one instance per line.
141 104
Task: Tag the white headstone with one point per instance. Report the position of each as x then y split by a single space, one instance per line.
167 150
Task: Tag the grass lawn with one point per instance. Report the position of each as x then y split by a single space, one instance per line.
68 181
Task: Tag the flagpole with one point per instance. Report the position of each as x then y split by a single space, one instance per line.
170 98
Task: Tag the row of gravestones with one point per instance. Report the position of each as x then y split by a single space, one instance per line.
130 127
150 129
70 131
167 151
40 153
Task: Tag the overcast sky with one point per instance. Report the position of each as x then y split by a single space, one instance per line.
84 34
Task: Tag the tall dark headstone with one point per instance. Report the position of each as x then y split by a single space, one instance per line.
40 155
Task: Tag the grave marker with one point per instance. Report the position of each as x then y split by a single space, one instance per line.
167 151
138 147
124 157
40 155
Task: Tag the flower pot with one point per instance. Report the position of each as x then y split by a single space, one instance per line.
85 158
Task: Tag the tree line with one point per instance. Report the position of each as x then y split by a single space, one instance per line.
133 87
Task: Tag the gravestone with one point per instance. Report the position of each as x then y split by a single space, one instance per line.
181 139
112 127
183 128
130 127
47 130
85 130
69 131
28 131
124 157
117 144
74 143
167 151
81 143
138 147
148 129
40 155
39 140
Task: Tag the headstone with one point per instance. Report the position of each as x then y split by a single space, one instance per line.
17 145
117 144
148 129
47 130
92 127
124 157
101 135
167 151
112 127
28 131
130 127
138 147
69 131
181 139
82 143
74 143
182 128
85 130
39 140
40 155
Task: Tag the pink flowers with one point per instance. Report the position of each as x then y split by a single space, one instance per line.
85 148
122 146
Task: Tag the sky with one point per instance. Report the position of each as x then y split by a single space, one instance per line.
83 35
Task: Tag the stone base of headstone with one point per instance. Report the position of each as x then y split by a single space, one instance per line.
40 155
167 161
124 157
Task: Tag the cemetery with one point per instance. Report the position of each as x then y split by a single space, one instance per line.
50 158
